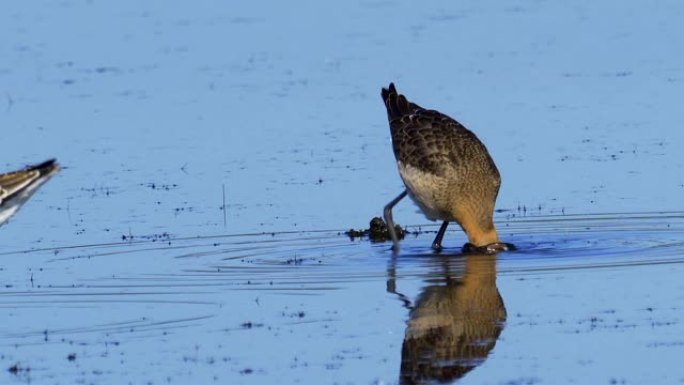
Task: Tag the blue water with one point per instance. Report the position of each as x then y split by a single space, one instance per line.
588 299
155 109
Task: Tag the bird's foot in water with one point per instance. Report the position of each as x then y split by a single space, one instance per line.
491 248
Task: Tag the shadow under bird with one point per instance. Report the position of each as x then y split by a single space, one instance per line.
447 172
18 186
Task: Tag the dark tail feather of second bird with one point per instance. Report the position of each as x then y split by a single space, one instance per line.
18 182
45 168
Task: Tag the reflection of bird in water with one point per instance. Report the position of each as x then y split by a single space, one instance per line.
17 187
453 327
447 172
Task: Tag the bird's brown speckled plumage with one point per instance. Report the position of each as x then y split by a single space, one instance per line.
447 170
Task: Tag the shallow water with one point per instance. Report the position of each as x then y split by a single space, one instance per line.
587 299
213 154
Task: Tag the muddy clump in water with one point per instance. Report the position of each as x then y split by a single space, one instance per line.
377 231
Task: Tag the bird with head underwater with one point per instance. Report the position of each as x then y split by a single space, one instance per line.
447 172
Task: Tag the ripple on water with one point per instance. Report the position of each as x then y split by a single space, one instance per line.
325 296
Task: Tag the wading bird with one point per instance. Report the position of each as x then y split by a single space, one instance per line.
447 172
17 187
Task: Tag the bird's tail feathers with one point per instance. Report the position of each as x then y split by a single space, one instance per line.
397 105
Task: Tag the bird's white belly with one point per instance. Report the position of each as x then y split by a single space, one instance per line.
426 189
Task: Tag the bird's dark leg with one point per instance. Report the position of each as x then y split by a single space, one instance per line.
390 223
437 243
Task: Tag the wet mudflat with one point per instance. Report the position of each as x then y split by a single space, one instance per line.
214 154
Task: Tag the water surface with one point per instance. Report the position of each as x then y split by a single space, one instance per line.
214 153
591 298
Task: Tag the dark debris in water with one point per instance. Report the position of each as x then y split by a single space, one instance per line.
296 314
16 369
166 237
377 231
250 325
299 260
99 190
160 186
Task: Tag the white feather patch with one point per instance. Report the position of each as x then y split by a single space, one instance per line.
426 189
